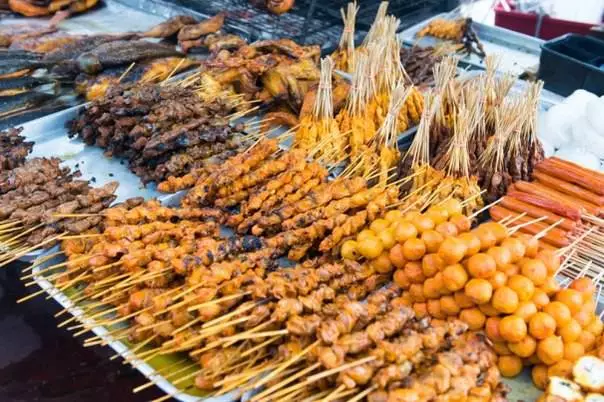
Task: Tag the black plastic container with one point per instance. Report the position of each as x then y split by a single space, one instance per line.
573 62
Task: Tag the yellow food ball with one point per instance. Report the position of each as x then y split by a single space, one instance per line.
432 239
349 250
449 306
452 250
526 310
394 215
370 247
540 298
396 256
386 236
498 280
379 225
501 349
572 298
542 325
481 265
523 287
512 328
452 206
438 214
550 350
401 279
472 243
525 348
462 222
479 290
563 368
404 231
501 255
509 366
571 331
382 263
551 286
434 309
462 299
417 293
447 229
423 223
432 264
414 272
573 351
420 309
363 234
587 339
491 327
505 300
414 249
596 327
515 247
535 270
488 310
540 377
584 318
559 311
431 289
455 277
550 259
473 317
584 285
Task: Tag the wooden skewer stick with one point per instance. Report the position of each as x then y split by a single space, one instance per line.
288 380
30 249
286 364
481 210
363 394
547 229
518 227
222 299
239 310
511 219
580 238
41 260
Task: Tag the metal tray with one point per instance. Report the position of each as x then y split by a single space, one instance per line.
152 370
519 52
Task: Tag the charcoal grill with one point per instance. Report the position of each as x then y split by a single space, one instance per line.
311 21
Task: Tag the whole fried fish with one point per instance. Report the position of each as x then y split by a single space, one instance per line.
72 50
122 52
170 27
211 25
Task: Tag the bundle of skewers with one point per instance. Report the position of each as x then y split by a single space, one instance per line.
37 198
460 31
162 130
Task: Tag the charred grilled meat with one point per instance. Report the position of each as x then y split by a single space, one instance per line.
170 27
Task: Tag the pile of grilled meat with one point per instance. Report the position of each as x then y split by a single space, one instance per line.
161 130
38 196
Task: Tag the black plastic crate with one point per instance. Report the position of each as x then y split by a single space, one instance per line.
573 62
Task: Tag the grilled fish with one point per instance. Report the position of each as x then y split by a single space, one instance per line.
22 102
12 54
170 27
211 25
122 52
72 50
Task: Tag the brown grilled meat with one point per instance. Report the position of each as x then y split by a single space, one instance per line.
170 27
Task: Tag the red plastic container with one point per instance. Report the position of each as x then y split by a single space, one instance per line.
526 24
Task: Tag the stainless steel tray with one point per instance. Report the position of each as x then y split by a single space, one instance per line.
152 370
519 52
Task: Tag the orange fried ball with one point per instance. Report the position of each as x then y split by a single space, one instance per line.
535 270
462 222
420 309
563 368
526 310
488 310
550 259
571 331
540 298
585 286
539 376
382 264
431 264
348 251
505 300
572 298
473 317
559 312
438 214
401 279
525 348
551 286
573 351
417 293
379 225
452 250
512 328
370 247
530 243
396 256
447 229
481 265
596 327
498 280
434 309
386 236
462 299
491 327
501 349
501 255
448 305
550 350
414 249
432 288
472 243
500 231
542 325
452 206
394 215
523 287
454 277
587 339
423 223
404 231
509 366
486 237
432 239
516 248
479 290
414 272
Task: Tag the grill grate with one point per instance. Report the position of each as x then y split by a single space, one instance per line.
309 22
